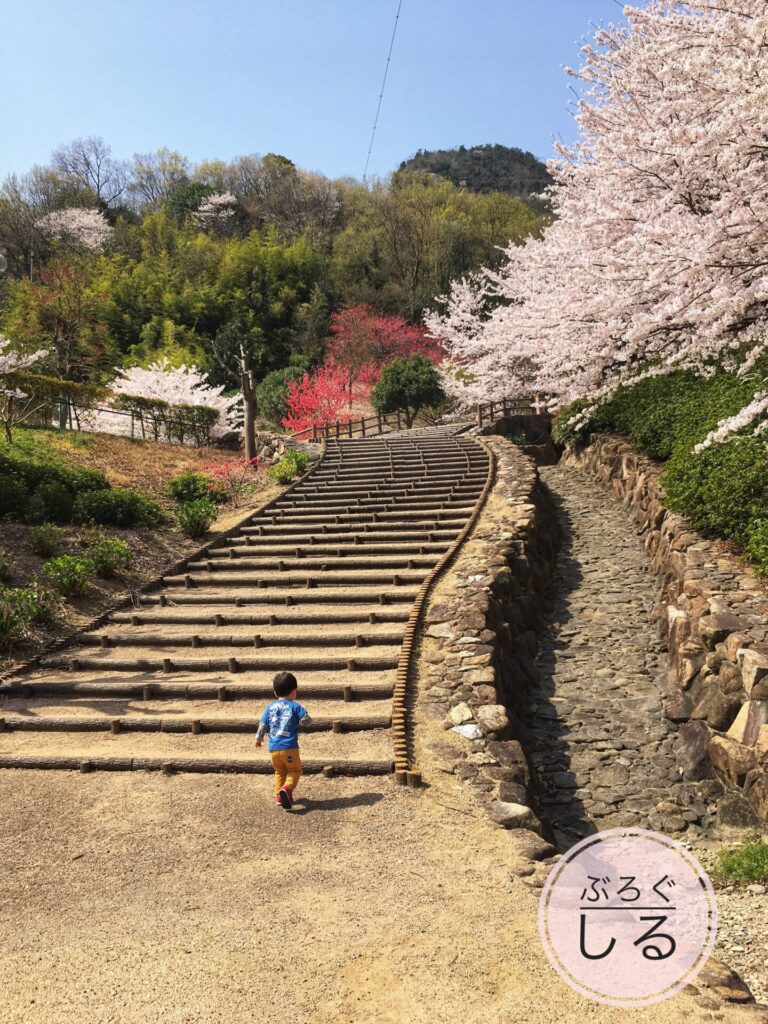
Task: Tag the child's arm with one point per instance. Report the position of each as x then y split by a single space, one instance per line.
304 716
263 729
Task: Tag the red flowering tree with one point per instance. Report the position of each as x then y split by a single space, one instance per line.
317 398
365 341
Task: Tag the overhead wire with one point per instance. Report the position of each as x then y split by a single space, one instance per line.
383 86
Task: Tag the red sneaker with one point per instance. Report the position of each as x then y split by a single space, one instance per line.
285 799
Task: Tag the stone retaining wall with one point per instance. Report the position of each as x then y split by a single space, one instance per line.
476 658
713 612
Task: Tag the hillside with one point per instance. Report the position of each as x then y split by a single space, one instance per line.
489 168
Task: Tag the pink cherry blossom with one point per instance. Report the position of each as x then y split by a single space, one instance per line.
658 254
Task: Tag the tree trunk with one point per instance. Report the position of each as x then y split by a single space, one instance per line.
249 416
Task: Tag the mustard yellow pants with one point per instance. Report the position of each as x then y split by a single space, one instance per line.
287 765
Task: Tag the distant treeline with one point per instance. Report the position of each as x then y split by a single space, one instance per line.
120 262
484 169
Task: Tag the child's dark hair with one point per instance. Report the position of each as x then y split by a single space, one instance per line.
284 683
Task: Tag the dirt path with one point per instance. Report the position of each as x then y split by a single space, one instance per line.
140 899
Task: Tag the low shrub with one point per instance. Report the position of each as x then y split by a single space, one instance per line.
121 506
5 566
747 863
721 490
234 479
292 464
14 496
47 603
54 501
195 485
109 555
70 574
17 613
756 548
197 517
46 540
37 470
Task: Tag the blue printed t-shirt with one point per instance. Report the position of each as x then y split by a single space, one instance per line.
282 719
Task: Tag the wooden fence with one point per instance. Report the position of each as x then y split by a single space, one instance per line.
487 412
366 426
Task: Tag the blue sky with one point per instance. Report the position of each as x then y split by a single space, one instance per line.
217 78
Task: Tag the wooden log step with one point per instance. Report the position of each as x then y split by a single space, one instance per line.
142 618
253 640
224 766
233 665
136 723
239 548
403 595
394 578
268 534
351 561
154 689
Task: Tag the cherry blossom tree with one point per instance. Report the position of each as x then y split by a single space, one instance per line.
658 254
180 386
216 211
15 405
75 226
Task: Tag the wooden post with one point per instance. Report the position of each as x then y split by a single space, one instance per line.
398 420
337 428
249 415
479 414
349 427
380 425
314 431
362 426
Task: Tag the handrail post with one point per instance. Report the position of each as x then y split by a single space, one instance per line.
362 426
381 430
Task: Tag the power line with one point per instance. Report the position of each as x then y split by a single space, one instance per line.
383 84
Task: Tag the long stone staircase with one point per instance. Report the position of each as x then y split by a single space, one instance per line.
321 583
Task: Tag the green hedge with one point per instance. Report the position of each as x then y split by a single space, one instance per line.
722 490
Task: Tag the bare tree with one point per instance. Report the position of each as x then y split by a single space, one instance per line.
155 175
90 163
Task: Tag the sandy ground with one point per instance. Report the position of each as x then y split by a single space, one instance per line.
140 899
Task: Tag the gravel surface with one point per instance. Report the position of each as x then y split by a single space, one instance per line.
136 899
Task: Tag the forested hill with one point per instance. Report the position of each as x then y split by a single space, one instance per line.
484 169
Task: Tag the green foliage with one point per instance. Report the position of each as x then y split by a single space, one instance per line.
408 385
17 612
109 555
30 463
756 548
271 392
158 420
747 863
194 486
722 490
70 574
121 506
197 517
14 495
46 540
484 168
291 465
51 502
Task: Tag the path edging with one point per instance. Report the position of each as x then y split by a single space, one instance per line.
713 613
